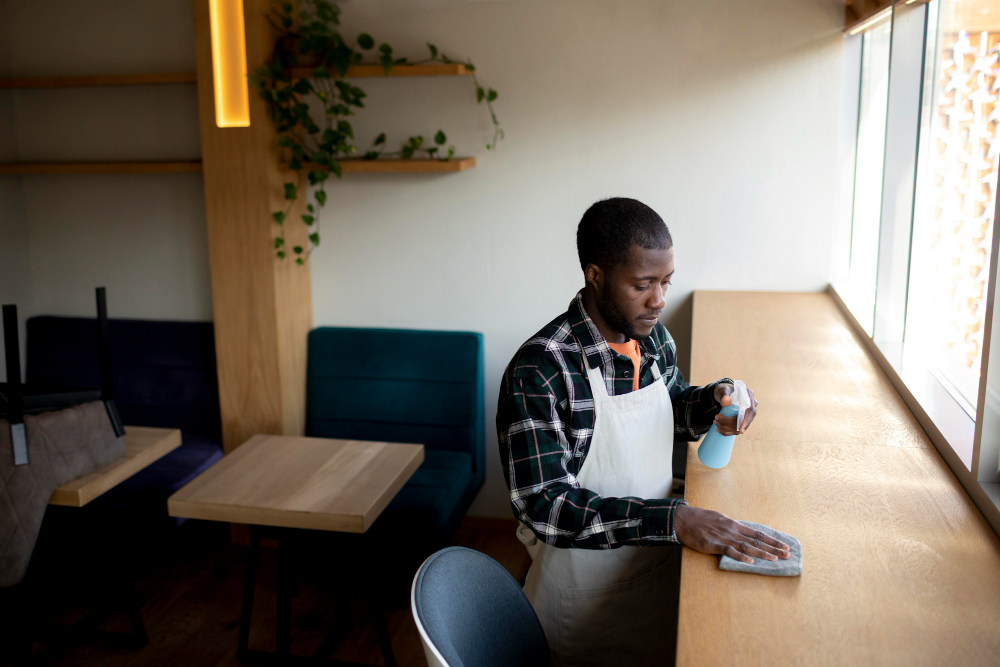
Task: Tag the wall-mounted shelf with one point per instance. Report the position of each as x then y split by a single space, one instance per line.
411 166
103 80
359 71
163 167
355 71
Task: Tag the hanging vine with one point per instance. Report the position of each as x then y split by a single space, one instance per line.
317 145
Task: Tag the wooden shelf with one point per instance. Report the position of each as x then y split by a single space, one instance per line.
411 166
103 80
359 71
175 167
355 71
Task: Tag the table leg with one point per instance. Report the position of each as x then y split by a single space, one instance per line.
139 636
283 640
249 583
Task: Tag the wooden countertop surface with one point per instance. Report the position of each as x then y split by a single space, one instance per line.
899 566
296 482
143 446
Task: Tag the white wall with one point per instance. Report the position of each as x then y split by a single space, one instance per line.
720 115
141 236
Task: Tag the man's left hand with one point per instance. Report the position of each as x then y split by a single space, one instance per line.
727 425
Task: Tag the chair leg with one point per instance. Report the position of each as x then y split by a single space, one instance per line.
249 583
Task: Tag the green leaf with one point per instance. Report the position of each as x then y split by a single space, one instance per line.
470 67
298 260
308 219
279 241
297 249
440 138
386 49
284 140
321 197
295 164
480 94
386 61
281 254
370 155
434 50
432 151
335 168
321 72
286 22
290 191
379 140
314 239
309 207
492 95
286 8
302 87
279 217
365 41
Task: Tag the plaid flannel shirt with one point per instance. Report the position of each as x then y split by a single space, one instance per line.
545 421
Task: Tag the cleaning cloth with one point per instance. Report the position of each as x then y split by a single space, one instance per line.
789 567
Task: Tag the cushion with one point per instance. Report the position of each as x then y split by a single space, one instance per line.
431 496
398 385
164 372
147 491
62 446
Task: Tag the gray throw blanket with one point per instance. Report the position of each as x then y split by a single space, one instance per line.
62 445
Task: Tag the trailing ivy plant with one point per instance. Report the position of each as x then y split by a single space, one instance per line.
318 144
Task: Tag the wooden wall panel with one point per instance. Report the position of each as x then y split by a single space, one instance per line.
262 306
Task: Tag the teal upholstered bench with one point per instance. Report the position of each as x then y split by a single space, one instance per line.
397 385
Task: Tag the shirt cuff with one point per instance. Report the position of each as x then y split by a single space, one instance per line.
658 522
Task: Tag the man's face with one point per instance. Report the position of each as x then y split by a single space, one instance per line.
632 294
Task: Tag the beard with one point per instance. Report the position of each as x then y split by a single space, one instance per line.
613 315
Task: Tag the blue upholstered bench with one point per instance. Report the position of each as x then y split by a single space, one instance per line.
164 375
398 385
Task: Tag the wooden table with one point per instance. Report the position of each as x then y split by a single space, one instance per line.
143 446
275 483
899 565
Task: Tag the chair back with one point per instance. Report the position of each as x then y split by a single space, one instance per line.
398 385
470 612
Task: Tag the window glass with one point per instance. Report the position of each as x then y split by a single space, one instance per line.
956 194
860 295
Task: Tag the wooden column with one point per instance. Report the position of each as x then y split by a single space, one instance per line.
262 305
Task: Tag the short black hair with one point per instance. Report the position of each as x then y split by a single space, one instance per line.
610 227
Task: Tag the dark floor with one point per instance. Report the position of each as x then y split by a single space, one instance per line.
190 589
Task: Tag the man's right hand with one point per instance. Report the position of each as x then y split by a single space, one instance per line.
714 533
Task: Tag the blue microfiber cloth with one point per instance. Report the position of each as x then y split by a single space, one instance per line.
789 567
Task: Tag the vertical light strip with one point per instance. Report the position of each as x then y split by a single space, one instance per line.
229 63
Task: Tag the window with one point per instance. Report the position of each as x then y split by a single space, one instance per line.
920 273
956 197
860 293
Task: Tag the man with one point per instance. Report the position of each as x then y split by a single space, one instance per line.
588 412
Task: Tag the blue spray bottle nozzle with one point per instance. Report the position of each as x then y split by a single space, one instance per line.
716 448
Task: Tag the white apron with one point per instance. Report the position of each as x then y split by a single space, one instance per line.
614 606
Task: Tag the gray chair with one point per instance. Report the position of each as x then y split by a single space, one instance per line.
471 613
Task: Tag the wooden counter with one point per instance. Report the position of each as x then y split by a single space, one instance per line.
899 566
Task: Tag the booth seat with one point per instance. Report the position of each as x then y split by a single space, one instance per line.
164 375
396 385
